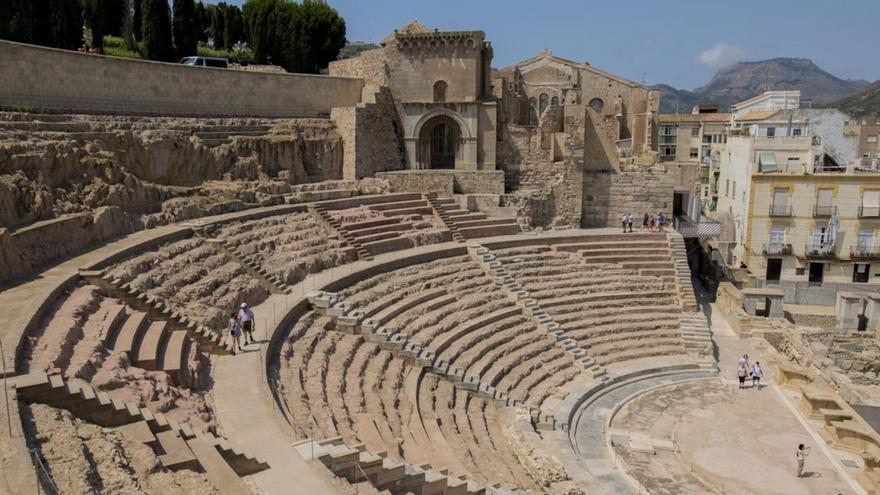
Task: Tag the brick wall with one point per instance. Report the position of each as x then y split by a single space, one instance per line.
42 78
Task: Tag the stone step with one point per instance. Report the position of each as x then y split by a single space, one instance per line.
176 453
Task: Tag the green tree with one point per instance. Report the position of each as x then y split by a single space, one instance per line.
204 21
94 13
218 25
267 24
185 27
233 26
65 23
17 20
320 34
136 18
156 30
114 16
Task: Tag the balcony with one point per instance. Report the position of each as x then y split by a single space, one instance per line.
780 211
869 211
829 169
824 211
777 249
817 250
701 229
859 253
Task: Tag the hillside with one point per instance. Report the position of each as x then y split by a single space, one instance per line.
865 103
744 80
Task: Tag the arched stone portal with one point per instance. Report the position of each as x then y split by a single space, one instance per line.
439 142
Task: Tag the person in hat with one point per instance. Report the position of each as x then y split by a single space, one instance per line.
246 317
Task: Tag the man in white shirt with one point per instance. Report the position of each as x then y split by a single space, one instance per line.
246 317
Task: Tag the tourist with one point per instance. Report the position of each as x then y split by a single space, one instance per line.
744 361
235 332
645 221
661 220
651 223
623 221
757 374
629 221
246 317
801 455
741 374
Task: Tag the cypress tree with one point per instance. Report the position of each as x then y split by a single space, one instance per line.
65 24
137 8
95 18
114 16
156 30
185 27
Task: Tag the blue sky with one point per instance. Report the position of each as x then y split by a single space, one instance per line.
669 41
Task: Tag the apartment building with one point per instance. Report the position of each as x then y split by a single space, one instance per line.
867 135
694 138
804 212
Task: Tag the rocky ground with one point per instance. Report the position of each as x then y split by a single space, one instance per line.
83 458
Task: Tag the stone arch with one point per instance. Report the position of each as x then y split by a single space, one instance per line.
533 111
440 88
597 104
554 102
439 142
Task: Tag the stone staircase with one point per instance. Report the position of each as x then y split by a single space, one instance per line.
356 464
157 311
696 333
470 225
682 272
270 280
319 212
441 207
178 445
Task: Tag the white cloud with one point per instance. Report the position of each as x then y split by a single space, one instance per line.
721 55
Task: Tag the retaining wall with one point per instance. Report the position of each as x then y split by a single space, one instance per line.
48 79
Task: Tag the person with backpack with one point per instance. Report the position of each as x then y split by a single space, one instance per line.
246 317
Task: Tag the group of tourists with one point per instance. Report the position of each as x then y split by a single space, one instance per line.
241 322
652 223
754 372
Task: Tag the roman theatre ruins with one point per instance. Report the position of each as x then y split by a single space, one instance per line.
444 300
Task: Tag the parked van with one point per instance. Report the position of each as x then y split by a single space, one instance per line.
217 62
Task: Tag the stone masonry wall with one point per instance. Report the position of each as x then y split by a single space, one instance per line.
638 190
371 136
43 78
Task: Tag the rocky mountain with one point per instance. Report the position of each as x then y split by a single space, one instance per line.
744 80
865 103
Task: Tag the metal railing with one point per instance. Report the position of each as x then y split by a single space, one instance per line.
819 250
864 252
825 169
869 211
824 210
780 211
777 248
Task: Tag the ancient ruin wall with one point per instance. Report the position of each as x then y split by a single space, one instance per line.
608 194
371 135
45 78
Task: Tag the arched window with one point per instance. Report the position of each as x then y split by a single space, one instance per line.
533 112
440 91
554 102
544 102
597 104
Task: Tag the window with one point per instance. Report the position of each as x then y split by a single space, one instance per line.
792 164
695 131
865 241
533 112
871 203
440 91
597 105
707 138
860 273
771 132
554 102
727 188
796 132
733 191
767 162
544 102
668 130
780 202
777 239
694 153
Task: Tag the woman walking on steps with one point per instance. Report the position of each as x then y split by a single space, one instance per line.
235 332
